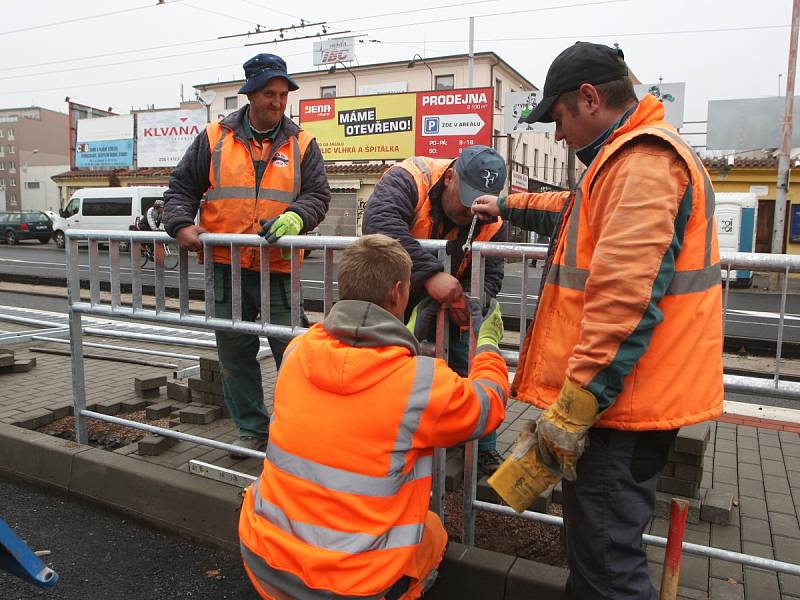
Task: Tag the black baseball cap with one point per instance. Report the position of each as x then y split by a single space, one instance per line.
481 170
263 67
583 62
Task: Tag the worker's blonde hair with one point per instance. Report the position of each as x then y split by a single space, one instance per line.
370 268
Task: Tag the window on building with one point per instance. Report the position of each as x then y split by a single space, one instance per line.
535 162
498 93
544 167
555 171
10 134
231 102
525 155
31 185
563 171
13 198
11 150
445 82
2 151
2 165
12 164
327 91
1 133
12 182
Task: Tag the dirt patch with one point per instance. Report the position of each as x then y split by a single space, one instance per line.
108 436
509 535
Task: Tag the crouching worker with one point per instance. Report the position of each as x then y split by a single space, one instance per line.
341 507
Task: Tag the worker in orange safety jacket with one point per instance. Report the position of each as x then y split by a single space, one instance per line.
341 507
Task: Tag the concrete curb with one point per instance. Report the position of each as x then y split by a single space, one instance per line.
207 511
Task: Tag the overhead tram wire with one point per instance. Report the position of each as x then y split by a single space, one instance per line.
87 17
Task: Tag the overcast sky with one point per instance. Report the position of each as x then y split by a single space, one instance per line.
131 53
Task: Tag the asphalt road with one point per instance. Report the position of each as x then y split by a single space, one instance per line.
102 555
751 314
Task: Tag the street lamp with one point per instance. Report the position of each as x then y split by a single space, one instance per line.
413 62
332 70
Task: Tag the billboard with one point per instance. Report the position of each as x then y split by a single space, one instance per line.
77 112
517 107
162 137
330 52
105 143
395 126
519 182
671 95
749 123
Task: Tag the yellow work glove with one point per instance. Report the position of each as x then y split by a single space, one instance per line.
523 476
561 429
489 328
288 223
423 318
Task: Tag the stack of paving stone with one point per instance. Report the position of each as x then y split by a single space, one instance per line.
687 475
208 387
10 364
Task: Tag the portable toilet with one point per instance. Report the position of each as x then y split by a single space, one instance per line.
736 230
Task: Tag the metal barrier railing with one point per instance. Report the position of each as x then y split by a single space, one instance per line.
137 312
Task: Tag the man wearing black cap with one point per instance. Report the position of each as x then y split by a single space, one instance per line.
626 346
260 174
423 198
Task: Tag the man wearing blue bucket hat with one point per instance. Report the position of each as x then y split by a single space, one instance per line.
260 174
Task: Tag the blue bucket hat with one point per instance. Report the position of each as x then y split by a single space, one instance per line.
263 67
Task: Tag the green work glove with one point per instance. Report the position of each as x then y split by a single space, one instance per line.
288 223
423 318
489 328
561 429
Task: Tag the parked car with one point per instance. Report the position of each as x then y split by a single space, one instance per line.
30 225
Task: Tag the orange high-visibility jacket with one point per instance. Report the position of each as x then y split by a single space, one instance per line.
631 308
341 503
232 205
426 173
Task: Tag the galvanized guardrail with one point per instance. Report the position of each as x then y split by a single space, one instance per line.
136 312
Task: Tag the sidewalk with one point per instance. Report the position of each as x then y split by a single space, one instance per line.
757 459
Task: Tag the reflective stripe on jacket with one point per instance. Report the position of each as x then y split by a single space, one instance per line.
426 173
234 206
631 307
341 503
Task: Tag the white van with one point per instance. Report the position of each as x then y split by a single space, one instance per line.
114 209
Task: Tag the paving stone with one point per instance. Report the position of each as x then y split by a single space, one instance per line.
773 467
790 584
132 405
748 456
671 485
669 469
547 585
24 365
724 475
153 445
727 537
694 572
178 391
688 472
726 590
693 439
685 458
664 502
685 593
725 569
771 453
746 443
158 411
7 360
756 549
781 503
756 530
792 450
768 439
453 469
725 445
748 471
784 525
725 459
716 507
33 419
751 488
153 393
149 383
62 409
789 436
760 585
753 507
786 548
775 483
112 407
209 363
199 414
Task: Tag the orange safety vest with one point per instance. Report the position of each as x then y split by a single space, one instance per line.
341 505
426 173
232 205
678 379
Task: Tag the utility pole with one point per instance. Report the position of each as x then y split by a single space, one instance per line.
782 191
471 69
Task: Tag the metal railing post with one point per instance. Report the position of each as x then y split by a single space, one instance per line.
779 347
442 351
76 340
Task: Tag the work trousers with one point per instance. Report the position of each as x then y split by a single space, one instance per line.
606 511
241 371
458 360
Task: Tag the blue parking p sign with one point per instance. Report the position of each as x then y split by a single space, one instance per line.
431 125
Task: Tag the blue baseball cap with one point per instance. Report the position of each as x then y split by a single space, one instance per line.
481 170
263 67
